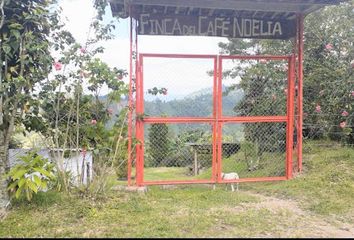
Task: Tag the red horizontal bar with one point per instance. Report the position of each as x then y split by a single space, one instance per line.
162 55
254 119
260 179
252 57
170 182
211 120
177 120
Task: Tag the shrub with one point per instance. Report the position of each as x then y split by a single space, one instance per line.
30 176
250 154
159 143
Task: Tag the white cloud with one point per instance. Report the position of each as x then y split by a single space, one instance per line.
179 44
180 76
79 14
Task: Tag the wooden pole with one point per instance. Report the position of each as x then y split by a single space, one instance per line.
300 89
195 162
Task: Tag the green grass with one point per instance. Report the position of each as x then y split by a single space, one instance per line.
272 164
325 188
166 173
160 213
327 184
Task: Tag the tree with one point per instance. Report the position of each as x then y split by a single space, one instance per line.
158 143
25 54
74 95
263 85
328 73
55 106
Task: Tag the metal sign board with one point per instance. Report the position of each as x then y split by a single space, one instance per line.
231 27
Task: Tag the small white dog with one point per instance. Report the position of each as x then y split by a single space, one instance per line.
230 176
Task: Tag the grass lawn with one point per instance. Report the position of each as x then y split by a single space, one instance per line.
327 183
273 164
318 203
166 173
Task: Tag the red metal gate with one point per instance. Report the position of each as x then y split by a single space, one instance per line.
181 141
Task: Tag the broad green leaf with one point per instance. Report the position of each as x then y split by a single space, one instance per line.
43 184
29 195
37 180
18 192
16 33
21 182
19 174
32 186
42 171
16 26
6 48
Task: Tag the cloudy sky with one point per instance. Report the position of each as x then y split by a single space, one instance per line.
184 76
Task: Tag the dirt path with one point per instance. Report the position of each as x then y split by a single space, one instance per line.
300 223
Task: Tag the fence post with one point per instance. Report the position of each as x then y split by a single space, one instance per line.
290 117
139 125
300 23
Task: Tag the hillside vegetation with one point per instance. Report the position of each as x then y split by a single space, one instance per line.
318 203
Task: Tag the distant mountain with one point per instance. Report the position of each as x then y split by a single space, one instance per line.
198 93
197 104
116 108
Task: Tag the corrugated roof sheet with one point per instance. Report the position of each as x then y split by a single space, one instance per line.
270 9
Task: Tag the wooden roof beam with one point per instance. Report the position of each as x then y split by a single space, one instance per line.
311 9
190 10
272 6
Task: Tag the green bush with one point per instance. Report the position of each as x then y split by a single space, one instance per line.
159 143
249 150
30 176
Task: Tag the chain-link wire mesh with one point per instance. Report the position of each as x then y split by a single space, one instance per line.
250 88
178 87
321 134
328 113
254 87
259 88
258 149
177 151
185 87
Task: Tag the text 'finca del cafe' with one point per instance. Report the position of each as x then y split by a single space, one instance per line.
234 27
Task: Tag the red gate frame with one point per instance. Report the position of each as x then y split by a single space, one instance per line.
288 119
217 120
296 58
140 122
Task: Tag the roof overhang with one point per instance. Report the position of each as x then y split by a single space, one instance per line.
256 8
284 11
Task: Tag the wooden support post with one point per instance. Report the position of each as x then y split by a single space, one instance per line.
195 163
300 89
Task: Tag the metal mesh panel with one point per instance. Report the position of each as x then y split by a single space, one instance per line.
185 87
177 151
258 150
178 87
254 87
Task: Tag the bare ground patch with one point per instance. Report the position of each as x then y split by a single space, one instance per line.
298 222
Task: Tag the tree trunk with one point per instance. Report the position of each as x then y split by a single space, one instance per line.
4 198
6 133
79 172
